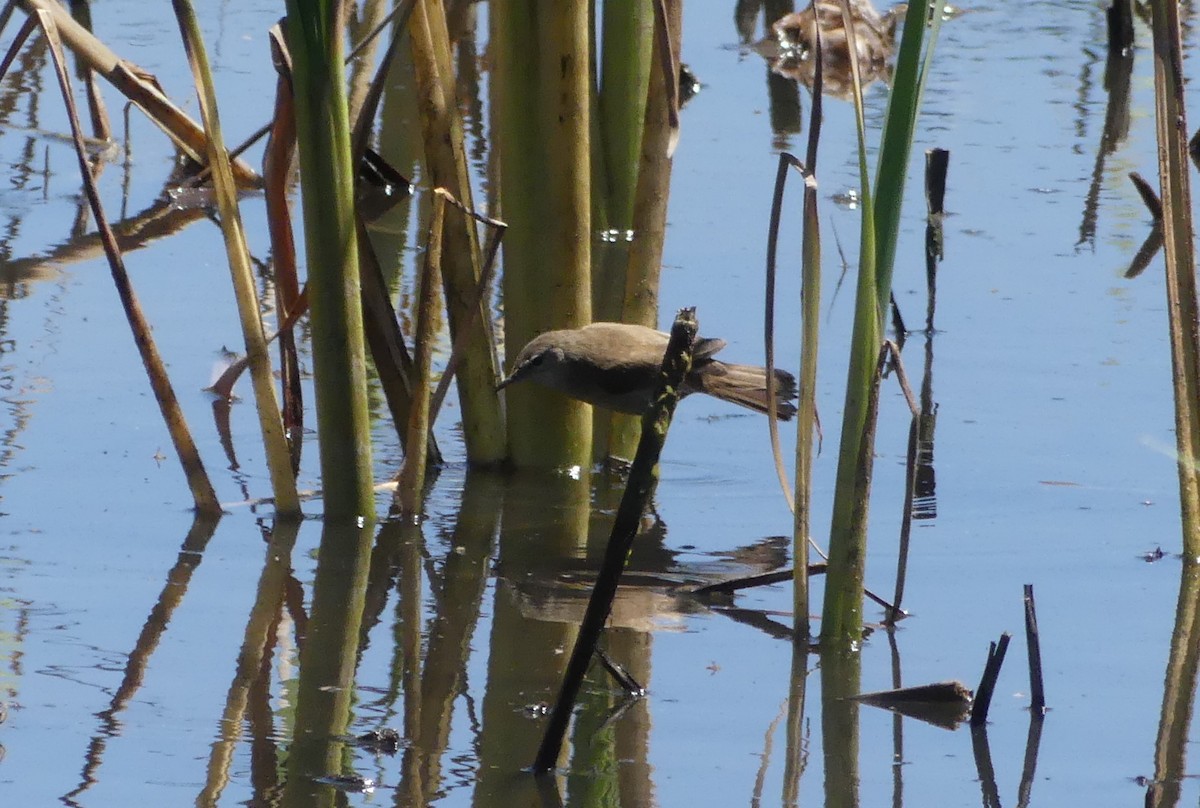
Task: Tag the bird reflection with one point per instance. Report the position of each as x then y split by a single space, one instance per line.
789 45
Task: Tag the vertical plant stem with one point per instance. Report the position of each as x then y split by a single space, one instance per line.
412 476
542 84
1171 119
810 312
441 128
315 32
625 68
283 481
650 201
625 74
842 611
904 103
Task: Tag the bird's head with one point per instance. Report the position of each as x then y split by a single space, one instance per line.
540 358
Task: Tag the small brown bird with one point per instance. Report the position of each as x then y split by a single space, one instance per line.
615 366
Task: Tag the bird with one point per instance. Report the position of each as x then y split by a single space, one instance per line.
616 366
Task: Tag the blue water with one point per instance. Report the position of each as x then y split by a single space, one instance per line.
1051 375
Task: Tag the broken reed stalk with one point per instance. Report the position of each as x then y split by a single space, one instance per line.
442 132
1037 692
643 476
315 38
1119 16
1184 320
137 85
987 683
203 495
412 476
936 161
279 464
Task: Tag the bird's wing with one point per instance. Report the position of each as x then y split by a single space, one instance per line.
706 348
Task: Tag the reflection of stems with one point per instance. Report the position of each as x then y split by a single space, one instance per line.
841 673
156 624
897 719
263 616
464 579
1179 692
1033 742
983 765
643 476
408 643
797 756
327 660
136 84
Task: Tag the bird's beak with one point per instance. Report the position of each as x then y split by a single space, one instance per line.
506 381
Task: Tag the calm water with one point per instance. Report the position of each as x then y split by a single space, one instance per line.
117 650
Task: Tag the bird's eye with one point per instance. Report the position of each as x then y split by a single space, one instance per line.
537 360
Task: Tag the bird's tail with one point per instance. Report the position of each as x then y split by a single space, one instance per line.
747 385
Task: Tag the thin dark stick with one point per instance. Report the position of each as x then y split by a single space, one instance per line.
987 684
617 671
937 162
1032 639
1120 27
642 476
749 581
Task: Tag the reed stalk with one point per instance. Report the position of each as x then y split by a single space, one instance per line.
842 615
279 463
541 81
1178 241
651 197
842 611
806 413
315 34
445 157
900 122
412 476
624 69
